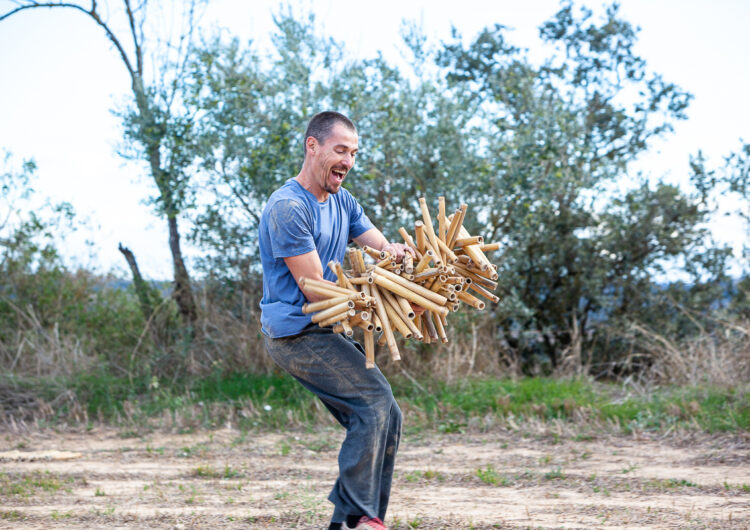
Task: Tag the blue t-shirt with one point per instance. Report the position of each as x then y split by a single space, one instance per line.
294 223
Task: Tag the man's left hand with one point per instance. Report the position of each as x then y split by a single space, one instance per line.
398 250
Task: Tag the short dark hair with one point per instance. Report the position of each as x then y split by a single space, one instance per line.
321 125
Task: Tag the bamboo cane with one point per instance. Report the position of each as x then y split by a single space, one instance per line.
471 300
325 304
426 274
419 235
331 311
385 323
397 305
347 328
410 295
408 263
396 320
441 329
409 241
428 225
377 323
474 252
369 349
411 286
430 326
484 292
337 318
324 286
454 218
450 257
459 225
441 218
466 241
426 258
374 254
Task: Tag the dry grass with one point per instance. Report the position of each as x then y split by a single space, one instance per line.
718 358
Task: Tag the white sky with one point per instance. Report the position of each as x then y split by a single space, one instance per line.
60 79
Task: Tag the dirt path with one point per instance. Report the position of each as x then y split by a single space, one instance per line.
224 479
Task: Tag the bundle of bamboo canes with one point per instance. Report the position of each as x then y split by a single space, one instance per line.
377 297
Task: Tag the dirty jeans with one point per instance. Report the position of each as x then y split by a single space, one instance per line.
333 368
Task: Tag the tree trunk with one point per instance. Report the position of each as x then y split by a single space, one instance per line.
142 290
183 291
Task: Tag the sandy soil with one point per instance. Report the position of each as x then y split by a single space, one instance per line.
224 479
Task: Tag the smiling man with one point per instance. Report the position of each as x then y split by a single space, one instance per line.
307 222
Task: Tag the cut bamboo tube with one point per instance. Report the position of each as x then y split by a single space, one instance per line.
418 289
405 307
386 262
396 320
347 328
343 279
461 212
476 278
331 311
369 349
357 319
474 252
337 318
428 224
353 261
424 262
366 325
338 328
376 322
453 226
361 260
374 254
396 303
385 323
358 281
437 256
442 227
430 326
408 294
330 287
441 329
471 300
484 292
466 241
489 247
408 263
325 304
419 235
409 241
450 257
426 274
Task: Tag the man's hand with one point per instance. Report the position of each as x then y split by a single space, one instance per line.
398 250
418 309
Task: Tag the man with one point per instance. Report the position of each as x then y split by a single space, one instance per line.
308 222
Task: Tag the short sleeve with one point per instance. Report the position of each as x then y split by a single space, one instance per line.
290 229
359 223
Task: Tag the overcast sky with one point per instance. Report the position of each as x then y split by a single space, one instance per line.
60 80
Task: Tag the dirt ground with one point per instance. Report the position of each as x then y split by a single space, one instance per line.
226 479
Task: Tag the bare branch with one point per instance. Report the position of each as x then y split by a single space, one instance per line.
90 12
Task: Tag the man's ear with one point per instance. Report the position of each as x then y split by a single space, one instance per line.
312 144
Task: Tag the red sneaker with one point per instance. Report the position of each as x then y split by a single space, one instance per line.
365 523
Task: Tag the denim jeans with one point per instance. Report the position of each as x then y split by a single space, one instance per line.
332 366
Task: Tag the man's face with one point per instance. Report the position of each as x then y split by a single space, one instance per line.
335 157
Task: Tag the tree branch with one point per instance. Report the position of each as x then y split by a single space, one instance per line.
90 12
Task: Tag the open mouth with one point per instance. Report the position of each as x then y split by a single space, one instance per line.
338 175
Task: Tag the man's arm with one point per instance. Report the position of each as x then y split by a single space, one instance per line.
307 265
374 238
